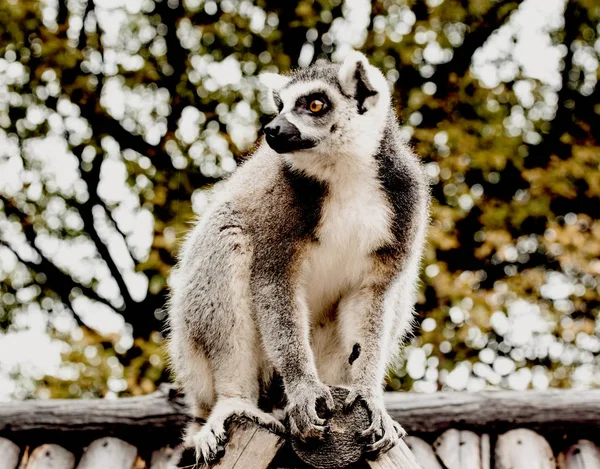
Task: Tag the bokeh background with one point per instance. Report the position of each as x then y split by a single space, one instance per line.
118 117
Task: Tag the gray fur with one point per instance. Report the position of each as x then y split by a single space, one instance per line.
304 260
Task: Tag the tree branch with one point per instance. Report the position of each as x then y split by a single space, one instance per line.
89 7
494 18
539 155
57 280
63 293
176 57
92 179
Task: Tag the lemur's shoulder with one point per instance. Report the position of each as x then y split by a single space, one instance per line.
404 182
272 194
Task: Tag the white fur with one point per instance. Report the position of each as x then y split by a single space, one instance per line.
375 77
357 139
355 221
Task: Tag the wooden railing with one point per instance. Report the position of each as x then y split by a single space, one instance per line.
447 430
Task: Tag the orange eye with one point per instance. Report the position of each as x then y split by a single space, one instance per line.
316 105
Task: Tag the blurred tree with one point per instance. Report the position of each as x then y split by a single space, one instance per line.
115 117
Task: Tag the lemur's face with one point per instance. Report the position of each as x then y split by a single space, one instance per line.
307 116
325 107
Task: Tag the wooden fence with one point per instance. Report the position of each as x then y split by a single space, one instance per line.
499 430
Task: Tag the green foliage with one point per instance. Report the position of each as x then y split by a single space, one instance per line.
116 119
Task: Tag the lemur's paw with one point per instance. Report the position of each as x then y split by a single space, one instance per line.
263 420
209 443
387 432
301 410
210 440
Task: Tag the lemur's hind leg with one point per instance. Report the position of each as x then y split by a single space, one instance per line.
236 385
230 342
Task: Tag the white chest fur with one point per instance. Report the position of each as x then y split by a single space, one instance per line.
355 221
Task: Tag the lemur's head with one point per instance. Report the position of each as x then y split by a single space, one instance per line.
328 107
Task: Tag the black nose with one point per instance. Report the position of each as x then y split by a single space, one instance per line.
284 137
272 130
281 128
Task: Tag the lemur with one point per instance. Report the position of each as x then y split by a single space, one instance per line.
305 265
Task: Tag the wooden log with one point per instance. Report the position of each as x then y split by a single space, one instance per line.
250 446
339 446
523 449
460 449
9 453
582 455
399 457
50 457
108 453
164 417
423 452
497 411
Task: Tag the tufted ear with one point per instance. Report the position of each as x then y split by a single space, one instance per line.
273 82
361 80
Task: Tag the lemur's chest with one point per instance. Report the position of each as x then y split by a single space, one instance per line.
355 222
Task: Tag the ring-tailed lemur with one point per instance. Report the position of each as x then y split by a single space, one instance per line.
305 264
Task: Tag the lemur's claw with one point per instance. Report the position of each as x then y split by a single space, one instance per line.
387 432
301 411
351 399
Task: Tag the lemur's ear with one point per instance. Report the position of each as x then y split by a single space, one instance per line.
274 82
359 79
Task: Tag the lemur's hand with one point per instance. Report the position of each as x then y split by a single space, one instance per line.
386 430
302 409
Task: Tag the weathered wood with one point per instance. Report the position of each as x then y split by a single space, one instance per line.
9 453
459 449
249 446
108 453
486 452
164 458
50 457
156 414
339 446
399 457
523 449
423 452
498 411
583 455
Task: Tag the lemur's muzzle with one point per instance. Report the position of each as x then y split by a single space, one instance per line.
284 137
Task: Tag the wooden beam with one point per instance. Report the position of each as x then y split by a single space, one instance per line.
423 452
9 453
583 455
492 412
523 449
460 449
496 411
250 446
108 453
50 457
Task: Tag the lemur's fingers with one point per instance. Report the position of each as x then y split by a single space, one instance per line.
399 429
388 439
383 445
207 447
388 431
305 430
376 424
329 401
351 399
305 423
314 417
